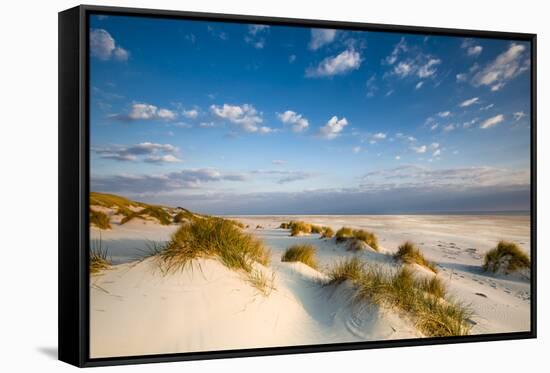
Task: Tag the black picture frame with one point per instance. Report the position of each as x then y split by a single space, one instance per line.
74 185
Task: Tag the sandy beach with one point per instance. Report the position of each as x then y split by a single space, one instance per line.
136 309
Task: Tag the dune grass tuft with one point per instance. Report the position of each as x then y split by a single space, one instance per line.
299 227
156 212
258 280
184 216
327 232
506 257
99 259
343 234
409 253
284 225
316 228
213 237
367 237
99 219
423 300
301 253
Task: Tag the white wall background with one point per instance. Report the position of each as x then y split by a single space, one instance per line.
28 183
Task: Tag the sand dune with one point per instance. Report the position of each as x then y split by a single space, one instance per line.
135 309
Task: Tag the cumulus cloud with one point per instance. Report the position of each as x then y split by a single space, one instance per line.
146 151
409 61
244 116
505 67
491 122
420 149
469 102
104 47
356 149
340 64
191 113
472 49
320 37
297 122
379 136
444 114
144 111
333 128
449 127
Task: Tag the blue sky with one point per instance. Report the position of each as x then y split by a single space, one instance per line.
241 119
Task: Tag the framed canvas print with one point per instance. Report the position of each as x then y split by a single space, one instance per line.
236 186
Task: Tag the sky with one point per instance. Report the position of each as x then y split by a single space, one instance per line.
229 118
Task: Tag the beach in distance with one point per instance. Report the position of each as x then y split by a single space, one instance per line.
139 306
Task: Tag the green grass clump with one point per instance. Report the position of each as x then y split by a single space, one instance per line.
99 260
506 257
157 212
327 232
111 200
213 237
184 216
297 227
423 300
99 219
409 253
316 229
301 253
343 234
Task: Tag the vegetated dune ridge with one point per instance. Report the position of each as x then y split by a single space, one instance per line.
137 309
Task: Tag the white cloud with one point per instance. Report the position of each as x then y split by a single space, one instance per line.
444 114
297 121
397 157
143 111
191 114
504 68
320 37
153 152
518 115
419 85
104 47
379 136
245 116
436 153
475 50
255 37
356 149
461 77
420 149
449 128
469 102
333 127
265 130
399 48
278 162
491 122
291 58
490 106
343 63
168 158
428 69
434 145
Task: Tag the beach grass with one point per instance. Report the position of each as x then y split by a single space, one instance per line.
316 229
99 259
299 227
409 253
424 301
99 219
111 200
156 212
261 282
343 234
327 232
301 253
506 257
213 237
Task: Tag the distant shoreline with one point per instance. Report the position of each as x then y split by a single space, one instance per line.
446 213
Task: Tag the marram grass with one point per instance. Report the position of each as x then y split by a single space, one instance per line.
301 253
409 253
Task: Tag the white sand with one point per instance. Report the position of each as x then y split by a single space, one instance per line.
137 310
